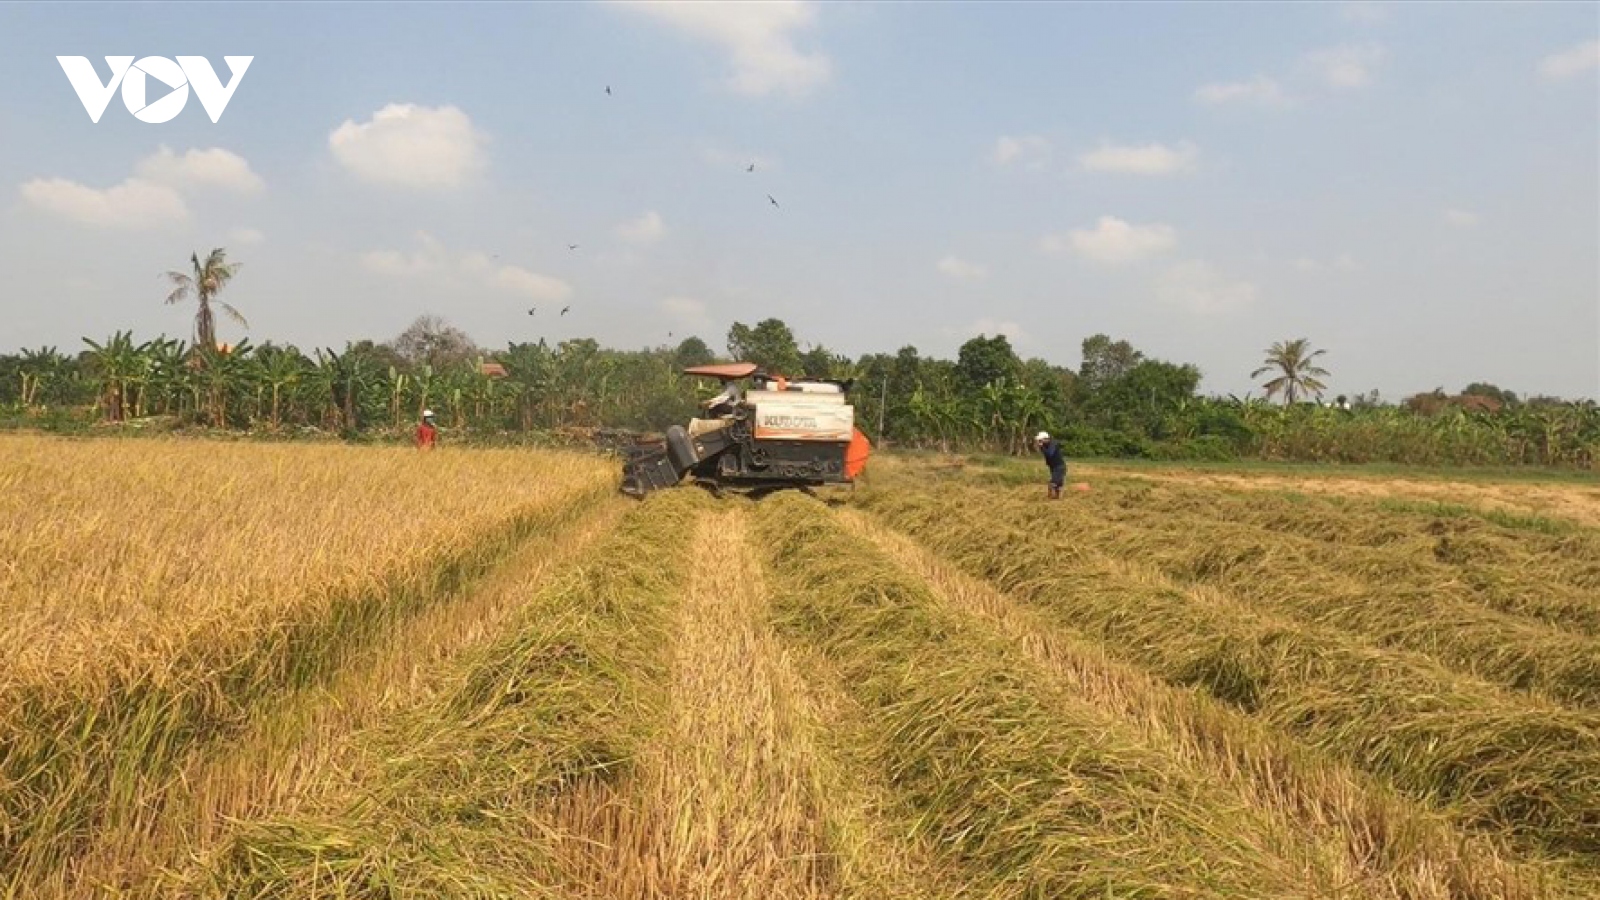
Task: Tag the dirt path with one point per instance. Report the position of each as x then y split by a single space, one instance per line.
1576 503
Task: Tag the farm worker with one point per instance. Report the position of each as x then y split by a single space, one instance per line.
427 432
1051 449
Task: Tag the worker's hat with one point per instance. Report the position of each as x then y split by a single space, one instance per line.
1042 436
427 414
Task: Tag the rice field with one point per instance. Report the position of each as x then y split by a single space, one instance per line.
280 671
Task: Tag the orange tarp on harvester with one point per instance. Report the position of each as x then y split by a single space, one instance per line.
855 456
724 370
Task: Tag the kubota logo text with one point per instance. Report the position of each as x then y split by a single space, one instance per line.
134 78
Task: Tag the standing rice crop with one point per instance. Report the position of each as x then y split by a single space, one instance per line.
157 590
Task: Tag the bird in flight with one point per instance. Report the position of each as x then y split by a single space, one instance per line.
669 334
608 90
572 246
531 309
750 168
774 202
564 310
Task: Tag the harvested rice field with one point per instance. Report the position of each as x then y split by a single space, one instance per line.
287 671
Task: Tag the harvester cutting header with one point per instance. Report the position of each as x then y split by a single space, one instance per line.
780 433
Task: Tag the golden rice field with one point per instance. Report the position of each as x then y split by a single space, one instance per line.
284 671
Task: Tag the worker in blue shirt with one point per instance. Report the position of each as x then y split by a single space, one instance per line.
1051 449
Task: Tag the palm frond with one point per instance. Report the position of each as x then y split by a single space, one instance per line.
233 313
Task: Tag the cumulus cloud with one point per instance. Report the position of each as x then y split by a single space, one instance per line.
410 146
1572 61
1461 218
1198 287
1146 159
1029 149
1112 241
1349 66
647 228
246 236
213 168
134 204
961 270
1258 91
435 262
759 38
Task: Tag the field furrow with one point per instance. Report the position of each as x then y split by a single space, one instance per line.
1369 838
1030 791
458 797
1523 769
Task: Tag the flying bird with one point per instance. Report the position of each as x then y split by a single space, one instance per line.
750 168
531 309
669 334
608 90
572 246
774 202
564 310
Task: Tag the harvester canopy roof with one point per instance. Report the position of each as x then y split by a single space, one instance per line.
725 371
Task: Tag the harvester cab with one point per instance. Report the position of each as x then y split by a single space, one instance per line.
778 433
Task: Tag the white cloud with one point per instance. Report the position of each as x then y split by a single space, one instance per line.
1364 12
646 229
1258 91
1570 62
246 236
1349 66
1198 287
1461 218
411 146
133 204
433 261
1030 149
758 36
962 270
213 168
1112 241
1149 159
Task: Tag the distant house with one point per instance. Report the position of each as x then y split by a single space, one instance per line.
492 370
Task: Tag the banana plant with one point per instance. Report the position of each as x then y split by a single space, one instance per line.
116 363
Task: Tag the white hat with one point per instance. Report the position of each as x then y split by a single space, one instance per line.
427 414
1042 436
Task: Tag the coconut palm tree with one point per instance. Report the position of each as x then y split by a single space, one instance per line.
207 279
1298 374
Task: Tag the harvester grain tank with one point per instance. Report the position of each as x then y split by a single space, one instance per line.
778 433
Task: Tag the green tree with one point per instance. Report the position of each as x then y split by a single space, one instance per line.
1298 375
1104 361
984 360
204 283
770 345
692 352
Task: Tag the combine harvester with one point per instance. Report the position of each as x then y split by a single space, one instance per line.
779 434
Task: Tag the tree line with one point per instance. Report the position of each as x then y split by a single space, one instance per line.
1119 401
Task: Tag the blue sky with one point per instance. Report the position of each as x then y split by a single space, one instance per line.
1415 188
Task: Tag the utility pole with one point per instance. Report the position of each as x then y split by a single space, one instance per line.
883 407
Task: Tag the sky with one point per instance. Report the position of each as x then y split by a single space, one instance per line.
1413 187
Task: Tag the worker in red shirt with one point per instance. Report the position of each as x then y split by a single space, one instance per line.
427 432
